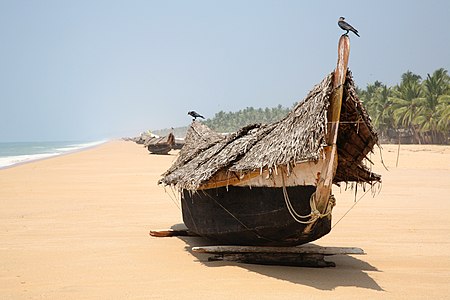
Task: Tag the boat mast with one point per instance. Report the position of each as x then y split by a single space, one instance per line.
325 181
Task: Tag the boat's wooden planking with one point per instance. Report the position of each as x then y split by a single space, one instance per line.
303 173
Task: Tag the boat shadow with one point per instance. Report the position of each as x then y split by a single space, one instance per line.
349 271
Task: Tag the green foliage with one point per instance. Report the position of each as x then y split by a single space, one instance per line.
415 106
232 121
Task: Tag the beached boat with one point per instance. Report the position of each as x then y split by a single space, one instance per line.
156 144
272 184
179 143
160 145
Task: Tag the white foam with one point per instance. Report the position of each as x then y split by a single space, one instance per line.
8 161
14 160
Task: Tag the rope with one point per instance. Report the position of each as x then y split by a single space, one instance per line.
173 200
354 204
291 208
192 218
315 213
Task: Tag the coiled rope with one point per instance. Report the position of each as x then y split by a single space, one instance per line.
315 214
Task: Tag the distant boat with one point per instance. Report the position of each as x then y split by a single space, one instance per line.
160 145
179 143
143 138
156 144
271 184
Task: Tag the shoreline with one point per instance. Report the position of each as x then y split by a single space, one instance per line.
76 227
410 147
102 142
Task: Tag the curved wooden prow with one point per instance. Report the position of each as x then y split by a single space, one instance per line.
171 140
325 181
334 110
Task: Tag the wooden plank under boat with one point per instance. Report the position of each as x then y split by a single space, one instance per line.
271 184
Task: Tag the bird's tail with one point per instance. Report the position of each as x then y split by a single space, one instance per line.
355 32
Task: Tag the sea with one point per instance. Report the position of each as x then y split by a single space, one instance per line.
13 153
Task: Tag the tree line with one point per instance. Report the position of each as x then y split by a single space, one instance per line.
232 121
416 110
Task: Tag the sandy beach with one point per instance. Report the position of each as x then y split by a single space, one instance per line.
76 227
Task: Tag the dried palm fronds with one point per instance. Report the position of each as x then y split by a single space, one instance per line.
300 136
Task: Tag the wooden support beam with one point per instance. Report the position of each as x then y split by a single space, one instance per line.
305 249
303 256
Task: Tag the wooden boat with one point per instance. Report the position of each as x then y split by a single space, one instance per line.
160 145
271 184
179 143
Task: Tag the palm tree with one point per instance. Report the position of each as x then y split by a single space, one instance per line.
409 76
406 102
382 105
443 109
436 85
432 113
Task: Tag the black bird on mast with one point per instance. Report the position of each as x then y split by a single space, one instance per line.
195 115
345 26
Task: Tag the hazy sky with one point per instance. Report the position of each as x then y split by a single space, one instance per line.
83 70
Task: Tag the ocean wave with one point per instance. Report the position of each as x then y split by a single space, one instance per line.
42 151
14 160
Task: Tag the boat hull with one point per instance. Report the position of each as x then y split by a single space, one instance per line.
252 216
159 148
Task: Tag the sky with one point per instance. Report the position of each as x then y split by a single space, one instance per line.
89 70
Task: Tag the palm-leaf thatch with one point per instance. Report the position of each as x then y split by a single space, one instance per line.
300 136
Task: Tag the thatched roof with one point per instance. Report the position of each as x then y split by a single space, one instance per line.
300 136
356 138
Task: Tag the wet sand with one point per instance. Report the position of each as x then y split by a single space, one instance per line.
76 227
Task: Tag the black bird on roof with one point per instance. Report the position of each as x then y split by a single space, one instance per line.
344 25
195 115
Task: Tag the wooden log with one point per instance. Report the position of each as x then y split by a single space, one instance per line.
171 232
305 249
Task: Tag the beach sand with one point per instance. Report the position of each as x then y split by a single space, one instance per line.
76 227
